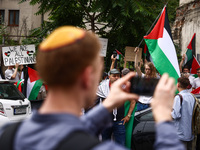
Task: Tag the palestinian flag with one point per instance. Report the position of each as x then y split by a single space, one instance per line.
196 91
195 66
19 84
129 125
161 47
34 84
119 55
190 60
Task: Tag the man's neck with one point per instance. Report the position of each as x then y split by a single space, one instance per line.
62 102
181 89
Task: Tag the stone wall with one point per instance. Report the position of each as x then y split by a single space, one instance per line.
186 24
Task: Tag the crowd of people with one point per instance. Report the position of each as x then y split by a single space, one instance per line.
58 124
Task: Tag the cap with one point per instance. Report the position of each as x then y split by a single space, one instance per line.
125 71
62 36
113 71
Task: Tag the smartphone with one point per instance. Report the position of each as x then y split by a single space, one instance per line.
143 86
114 54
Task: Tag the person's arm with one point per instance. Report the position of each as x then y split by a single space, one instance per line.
113 62
99 117
166 134
20 72
137 68
176 111
124 62
131 108
15 72
181 63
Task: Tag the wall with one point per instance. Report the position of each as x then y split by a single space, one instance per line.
186 24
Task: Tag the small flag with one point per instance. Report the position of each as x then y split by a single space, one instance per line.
196 91
161 47
19 84
119 55
191 52
34 84
190 57
195 66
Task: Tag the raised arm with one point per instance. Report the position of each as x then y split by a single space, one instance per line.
113 62
181 63
15 72
124 62
137 68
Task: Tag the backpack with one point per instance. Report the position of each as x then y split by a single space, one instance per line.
196 117
77 140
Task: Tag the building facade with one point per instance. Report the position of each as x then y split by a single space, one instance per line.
19 18
186 24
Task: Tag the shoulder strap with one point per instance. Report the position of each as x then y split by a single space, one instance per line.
8 135
181 98
78 140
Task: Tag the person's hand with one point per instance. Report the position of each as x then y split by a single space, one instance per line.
136 50
16 65
120 92
112 58
125 120
145 61
183 57
162 101
141 62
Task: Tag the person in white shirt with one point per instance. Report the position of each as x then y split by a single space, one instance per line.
196 82
12 73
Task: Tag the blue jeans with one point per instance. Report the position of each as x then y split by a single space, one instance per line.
118 130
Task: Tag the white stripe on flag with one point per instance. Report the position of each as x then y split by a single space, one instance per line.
167 46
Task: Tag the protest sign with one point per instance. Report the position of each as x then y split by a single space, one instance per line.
23 54
130 54
104 44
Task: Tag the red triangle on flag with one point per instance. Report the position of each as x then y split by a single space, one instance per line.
33 75
190 44
157 31
118 52
195 66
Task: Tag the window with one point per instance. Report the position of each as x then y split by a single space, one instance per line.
13 18
147 116
2 13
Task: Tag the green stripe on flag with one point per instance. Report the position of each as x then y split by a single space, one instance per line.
129 125
189 54
160 60
19 82
35 90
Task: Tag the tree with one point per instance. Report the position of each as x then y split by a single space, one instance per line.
123 22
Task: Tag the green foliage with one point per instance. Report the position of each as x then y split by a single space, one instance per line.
4 36
35 37
123 22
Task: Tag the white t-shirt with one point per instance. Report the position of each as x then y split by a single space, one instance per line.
196 83
9 73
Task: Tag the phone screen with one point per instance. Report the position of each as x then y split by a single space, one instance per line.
143 86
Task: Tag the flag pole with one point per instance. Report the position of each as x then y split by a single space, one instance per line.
152 25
